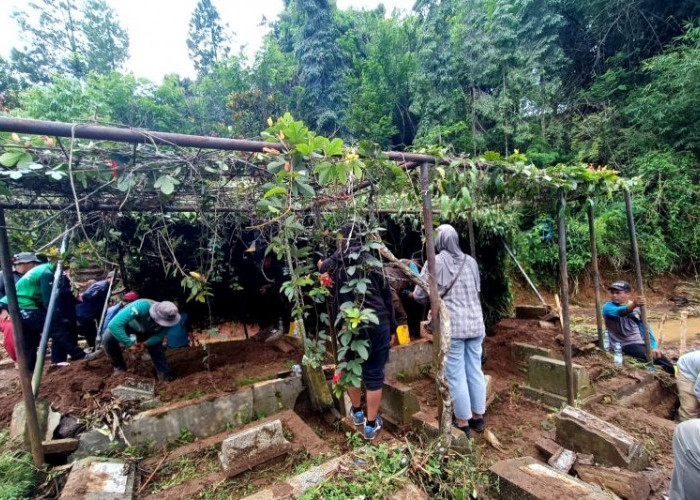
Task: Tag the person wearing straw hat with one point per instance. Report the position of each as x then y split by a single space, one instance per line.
141 324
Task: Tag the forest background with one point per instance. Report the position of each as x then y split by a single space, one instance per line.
607 83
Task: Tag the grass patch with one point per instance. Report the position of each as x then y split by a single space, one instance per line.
17 472
241 381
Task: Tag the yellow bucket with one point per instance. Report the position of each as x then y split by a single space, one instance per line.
295 328
402 334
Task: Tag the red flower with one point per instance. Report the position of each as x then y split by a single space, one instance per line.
325 280
336 377
114 165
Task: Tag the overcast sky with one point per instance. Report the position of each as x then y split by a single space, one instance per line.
158 28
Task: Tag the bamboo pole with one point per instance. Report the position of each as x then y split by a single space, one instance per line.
638 272
596 274
522 271
564 277
684 332
105 306
661 330
24 374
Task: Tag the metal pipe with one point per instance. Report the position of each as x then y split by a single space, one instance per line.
105 306
638 272
564 276
522 271
432 279
596 274
41 356
24 377
138 136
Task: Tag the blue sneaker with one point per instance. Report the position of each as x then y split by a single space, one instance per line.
371 432
358 417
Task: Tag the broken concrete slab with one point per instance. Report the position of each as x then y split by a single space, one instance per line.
93 442
252 442
563 460
48 421
523 352
582 432
527 479
547 447
95 478
428 426
626 484
203 417
409 360
399 402
132 390
549 375
544 397
55 446
272 396
531 312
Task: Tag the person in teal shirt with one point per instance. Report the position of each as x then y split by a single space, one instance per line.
141 324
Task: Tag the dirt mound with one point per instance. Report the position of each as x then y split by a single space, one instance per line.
84 386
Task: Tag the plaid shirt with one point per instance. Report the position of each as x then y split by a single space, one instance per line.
462 300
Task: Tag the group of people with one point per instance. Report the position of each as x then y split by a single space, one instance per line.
133 322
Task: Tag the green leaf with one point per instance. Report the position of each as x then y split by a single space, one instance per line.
304 189
334 147
274 191
11 158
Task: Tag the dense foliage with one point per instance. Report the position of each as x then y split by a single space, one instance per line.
597 82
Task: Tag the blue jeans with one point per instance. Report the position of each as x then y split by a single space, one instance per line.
465 378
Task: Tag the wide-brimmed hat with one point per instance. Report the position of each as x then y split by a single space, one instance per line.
131 296
165 313
25 258
620 286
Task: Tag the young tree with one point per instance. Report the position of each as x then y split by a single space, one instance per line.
207 41
107 43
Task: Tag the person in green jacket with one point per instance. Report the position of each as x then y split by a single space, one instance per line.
142 323
33 294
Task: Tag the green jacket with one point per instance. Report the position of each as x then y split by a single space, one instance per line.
34 288
135 319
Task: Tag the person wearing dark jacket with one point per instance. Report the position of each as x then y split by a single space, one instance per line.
377 297
89 308
63 326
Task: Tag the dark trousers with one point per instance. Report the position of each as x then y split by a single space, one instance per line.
88 329
64 341
32 325
639 352
379 338
113 350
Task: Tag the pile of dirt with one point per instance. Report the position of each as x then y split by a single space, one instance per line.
84 386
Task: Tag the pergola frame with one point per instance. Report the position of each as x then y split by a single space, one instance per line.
406 160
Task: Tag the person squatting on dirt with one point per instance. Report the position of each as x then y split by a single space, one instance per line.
378 298
112 311
688 381
685 481
623 321
459 285
89 308
142 323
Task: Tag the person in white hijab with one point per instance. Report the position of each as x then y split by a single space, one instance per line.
459 286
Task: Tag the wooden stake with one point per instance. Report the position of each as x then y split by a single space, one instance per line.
661 330
684 332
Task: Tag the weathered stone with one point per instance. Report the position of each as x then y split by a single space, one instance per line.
531 312
585 433
550 375
544 397
203 417
409 360
647 394
91 443
48 421
271 396
523 352
253 442
96 478
132 390
527 479
629 485
563 460
547 447
59 446
428 426
399 402
585 459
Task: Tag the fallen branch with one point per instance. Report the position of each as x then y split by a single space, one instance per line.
148 480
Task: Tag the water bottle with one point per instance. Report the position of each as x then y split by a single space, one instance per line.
617 356
296 370
606 340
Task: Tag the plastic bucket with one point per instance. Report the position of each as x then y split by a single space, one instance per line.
402 334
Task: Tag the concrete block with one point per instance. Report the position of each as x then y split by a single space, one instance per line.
527 479
547 447
257 441
585 433
59 446
428 426
96 478
523 352
48 421
203 417
544 397
132 390
550 375
409 359
399 402
562 460
92 442
271 396
531 312
626 484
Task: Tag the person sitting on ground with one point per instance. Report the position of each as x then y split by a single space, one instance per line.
623 321
688 381
90 307
377 297
685 481
141 324
112 311
459 285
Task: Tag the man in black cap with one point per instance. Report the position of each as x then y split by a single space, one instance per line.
21 263
622 317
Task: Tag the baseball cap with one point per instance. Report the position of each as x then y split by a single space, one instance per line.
621 286
131 296
25 258
165 313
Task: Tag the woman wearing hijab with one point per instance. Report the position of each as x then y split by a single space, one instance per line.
459 286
